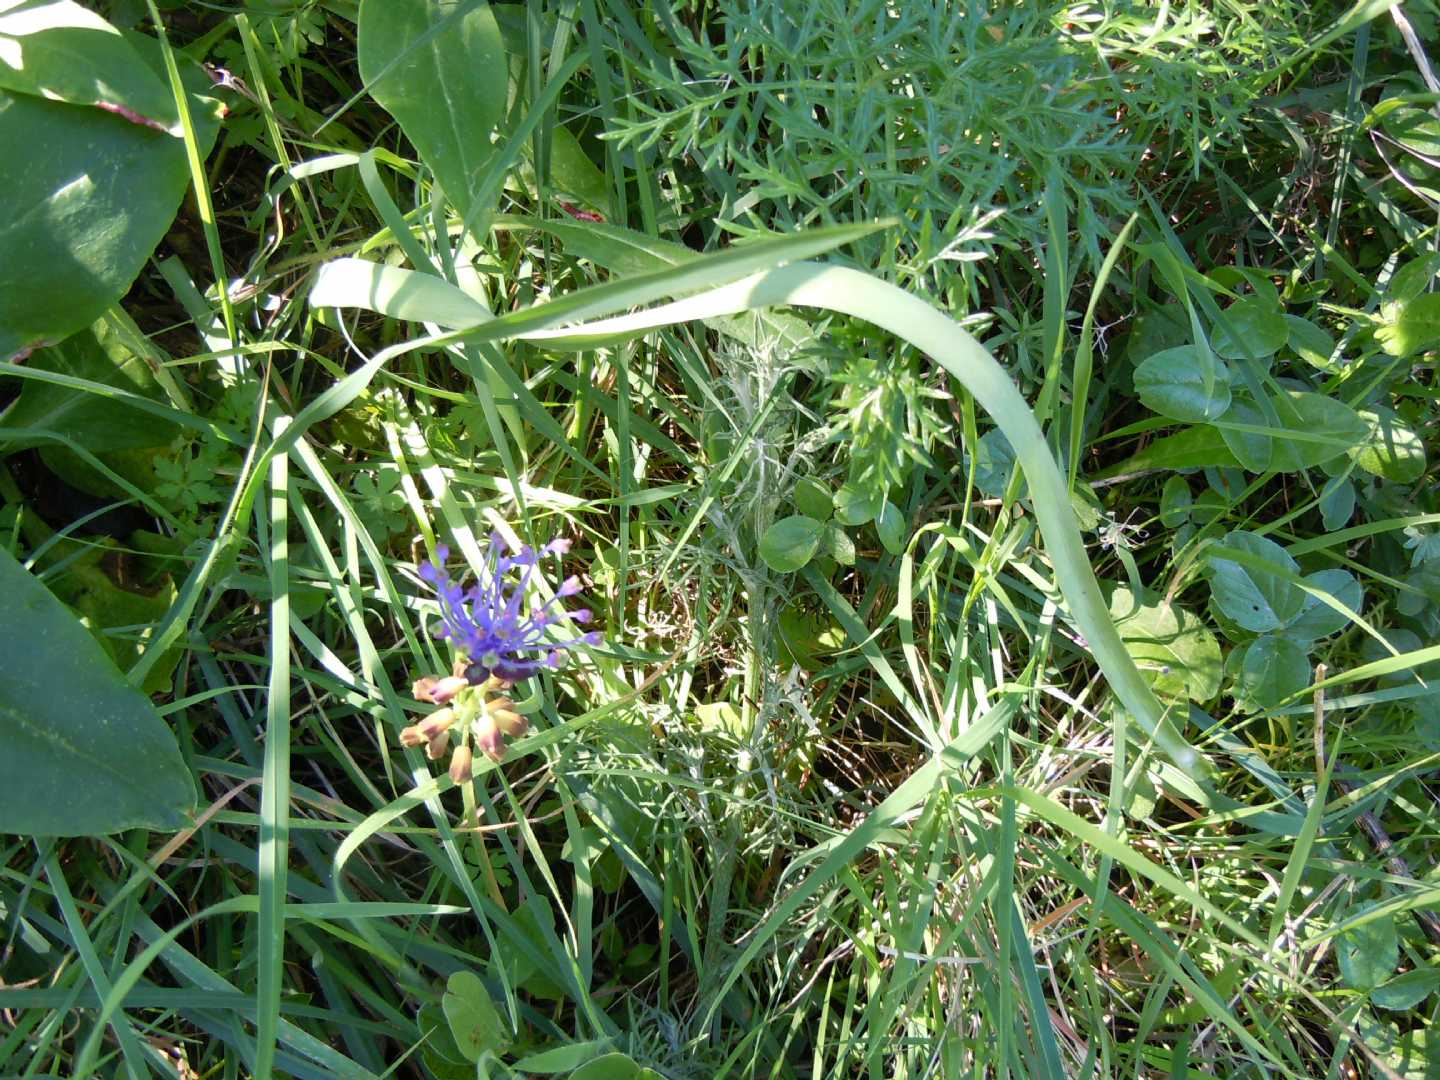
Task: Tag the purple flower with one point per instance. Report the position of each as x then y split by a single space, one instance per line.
490 625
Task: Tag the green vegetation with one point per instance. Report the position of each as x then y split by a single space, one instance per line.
995 445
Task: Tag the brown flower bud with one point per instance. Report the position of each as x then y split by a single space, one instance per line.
488 737
411 736
462 764
436 747
421 689
436 723
510 723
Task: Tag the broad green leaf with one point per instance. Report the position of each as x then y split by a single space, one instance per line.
392 290
1412 327
1252 596
1413 278
1184 383
96 195
1253 329
1368 953
1274 668
71 725
858 506
610 1067
121 618
474 1024
99 355
1337 502
994 462
1173 648
61 51
891 527
1318 619
1189 448
1310 342
838 545
561 1059
808 635
813 499
791 542
440 69
1391 449
1408 1056
1314 429
1175 502
1408 990
1416 129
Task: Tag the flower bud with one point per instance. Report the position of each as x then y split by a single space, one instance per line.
510 723
436 747
411 736
488 737
447 688
421 689
436 723
462 764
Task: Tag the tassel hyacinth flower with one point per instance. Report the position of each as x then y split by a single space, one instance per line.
499 640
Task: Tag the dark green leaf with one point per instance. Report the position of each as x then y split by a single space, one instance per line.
1184 383
1391 449
1253 329
813 499
1274 668
94 198
857 506
440 69
1252 596
1408 990
70 723
1368 953
891 527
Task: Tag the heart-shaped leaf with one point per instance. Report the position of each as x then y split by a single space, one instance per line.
1184 383
474 1024
1253 596
1274 668
85 752
1174 650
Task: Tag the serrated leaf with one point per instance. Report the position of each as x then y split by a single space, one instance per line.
441 70
1253 329
474 1024
1174 650
1273 668
1184 383
791 542
1252 596
70 722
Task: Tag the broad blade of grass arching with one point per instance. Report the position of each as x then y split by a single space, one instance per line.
854 293
274 849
